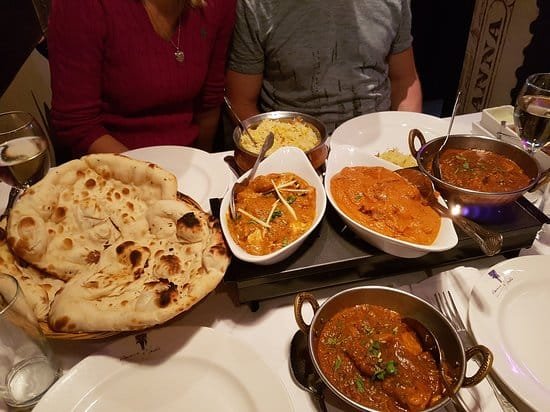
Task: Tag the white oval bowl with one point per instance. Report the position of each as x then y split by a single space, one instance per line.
345 155
284 160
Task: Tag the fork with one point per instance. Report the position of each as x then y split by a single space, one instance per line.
447 307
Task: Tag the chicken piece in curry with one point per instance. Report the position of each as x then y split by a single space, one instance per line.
375 359
385 202
272 211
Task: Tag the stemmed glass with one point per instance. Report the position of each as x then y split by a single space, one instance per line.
24 152
532 112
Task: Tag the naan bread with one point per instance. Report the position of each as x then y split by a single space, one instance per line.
39 289
132 254
63 223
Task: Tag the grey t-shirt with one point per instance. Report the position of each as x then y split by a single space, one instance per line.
327 58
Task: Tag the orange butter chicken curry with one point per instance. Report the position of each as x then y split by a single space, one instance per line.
481 170
272 211
372 357
385 202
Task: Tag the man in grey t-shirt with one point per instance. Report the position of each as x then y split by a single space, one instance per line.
333 59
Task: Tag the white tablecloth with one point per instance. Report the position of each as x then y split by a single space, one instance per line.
270 329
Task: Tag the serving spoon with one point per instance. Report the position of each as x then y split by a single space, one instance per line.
436 165
268 142
430 344
490 242
243 128
302 370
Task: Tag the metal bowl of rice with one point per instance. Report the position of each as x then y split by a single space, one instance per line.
289 128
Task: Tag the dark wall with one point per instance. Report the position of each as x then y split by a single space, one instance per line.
20 32
537 53
440 29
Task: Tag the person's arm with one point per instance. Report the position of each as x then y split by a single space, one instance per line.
406 92
76 75
208 126
243 90
107 144
207 111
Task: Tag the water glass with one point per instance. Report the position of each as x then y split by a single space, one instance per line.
27 365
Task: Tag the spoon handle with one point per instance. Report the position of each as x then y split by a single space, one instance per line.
321 402
490 242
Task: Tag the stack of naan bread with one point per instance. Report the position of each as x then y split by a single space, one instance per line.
106 243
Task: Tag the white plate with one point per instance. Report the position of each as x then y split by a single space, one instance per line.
285 159
507 313
200 174
170 369
343 156
378 132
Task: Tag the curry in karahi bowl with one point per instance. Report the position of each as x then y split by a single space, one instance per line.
276 211
476 170
383 208
364 350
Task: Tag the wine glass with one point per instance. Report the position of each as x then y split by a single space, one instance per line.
532 112
24 152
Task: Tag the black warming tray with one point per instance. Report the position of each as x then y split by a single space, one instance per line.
333 255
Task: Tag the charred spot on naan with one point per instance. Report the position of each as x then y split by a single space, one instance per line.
93 257
131 254
166 291
167 266
190 228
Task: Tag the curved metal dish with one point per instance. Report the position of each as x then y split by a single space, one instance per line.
462 196
405 304
317 156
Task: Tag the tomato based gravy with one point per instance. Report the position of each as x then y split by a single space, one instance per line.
385 202
481 170
375 359
272 211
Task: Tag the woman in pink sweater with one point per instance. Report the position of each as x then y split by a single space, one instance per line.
131 73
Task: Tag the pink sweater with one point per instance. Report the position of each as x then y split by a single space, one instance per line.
113 74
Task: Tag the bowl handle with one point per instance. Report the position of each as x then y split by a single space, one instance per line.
484 365
299 301
413 134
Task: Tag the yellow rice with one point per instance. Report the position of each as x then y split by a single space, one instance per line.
396 157
286 133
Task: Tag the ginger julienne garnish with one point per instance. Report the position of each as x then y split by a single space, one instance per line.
284 202
273 211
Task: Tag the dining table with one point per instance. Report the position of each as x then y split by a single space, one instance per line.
268 328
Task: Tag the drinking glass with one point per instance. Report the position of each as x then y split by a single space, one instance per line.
532 112
24 150
27 365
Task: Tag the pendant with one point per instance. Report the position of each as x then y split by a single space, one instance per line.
179 55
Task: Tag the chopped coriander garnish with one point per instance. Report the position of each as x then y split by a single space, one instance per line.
358 197
333 341
391 367
374 348
291 199
276 213
337 363
394 330
359 384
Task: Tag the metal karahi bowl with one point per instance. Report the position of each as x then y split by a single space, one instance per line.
458 195
406 304
317 155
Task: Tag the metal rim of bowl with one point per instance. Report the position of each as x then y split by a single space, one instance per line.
317 317
472 192
318 126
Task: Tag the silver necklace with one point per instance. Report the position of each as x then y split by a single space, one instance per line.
178 54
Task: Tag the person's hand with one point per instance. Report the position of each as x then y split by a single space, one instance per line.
107 144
